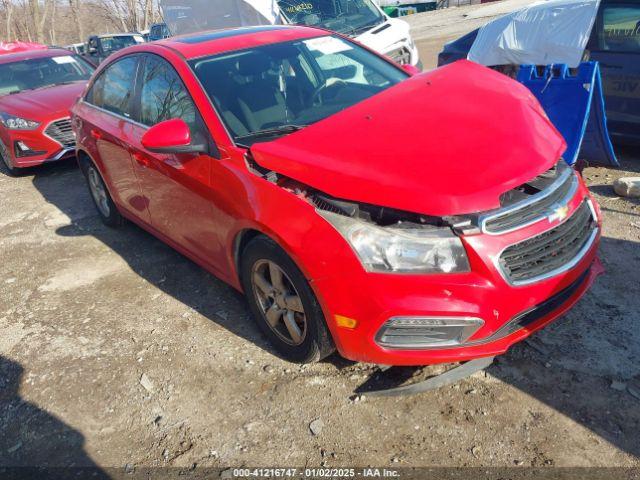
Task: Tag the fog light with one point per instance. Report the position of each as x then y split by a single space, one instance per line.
427 332
346 322
21 149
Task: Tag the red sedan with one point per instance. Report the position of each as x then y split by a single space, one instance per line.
37 89
402 219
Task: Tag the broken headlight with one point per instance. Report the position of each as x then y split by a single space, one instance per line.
401 250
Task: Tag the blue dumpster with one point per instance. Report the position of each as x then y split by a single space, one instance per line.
574 103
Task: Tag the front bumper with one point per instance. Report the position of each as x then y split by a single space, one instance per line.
510 312
44 148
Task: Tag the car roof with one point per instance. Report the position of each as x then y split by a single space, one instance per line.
220 41
29 54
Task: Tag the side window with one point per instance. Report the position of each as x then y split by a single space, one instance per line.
95 93
112 90
621 28
163 96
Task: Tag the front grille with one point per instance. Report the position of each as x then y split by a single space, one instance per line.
61 132
551 251
532 201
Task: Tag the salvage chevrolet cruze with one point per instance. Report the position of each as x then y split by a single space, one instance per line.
402 219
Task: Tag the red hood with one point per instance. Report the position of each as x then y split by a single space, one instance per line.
42 104
446 142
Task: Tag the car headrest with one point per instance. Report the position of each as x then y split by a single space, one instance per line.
253 64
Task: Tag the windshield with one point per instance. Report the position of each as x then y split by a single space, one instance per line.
350 17
113 44
275 89
42 72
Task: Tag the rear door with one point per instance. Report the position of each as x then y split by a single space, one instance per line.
106 119
176 186
616 45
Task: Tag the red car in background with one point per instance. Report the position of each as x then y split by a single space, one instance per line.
37 89
402 219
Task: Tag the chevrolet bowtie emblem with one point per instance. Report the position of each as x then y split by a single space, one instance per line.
559 214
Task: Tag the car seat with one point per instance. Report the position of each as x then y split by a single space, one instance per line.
262 104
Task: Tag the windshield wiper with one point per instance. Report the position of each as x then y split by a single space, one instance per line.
49 85
267 132
363 28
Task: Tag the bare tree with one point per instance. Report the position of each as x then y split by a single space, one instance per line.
74 7
52 26
71 21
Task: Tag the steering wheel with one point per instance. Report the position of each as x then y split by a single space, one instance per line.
330 83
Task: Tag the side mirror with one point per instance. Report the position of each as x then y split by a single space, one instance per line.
410 69
171 136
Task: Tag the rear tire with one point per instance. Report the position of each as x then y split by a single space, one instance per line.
282 302
102 200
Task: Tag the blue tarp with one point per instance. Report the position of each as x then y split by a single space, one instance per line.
575 105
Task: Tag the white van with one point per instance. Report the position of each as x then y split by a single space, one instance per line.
362 20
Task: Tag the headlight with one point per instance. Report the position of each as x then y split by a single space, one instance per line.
410 250
16 123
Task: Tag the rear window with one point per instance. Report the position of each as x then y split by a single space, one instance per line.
113 44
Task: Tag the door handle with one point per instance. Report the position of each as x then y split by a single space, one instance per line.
96 134
141 158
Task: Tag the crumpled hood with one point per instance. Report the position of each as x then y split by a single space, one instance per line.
42 104
446 142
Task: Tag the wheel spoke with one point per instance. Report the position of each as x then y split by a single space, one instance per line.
273 315
293 302
262 283
292 327
279 302
276 277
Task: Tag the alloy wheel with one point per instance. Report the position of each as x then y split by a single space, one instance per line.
279 302
98 191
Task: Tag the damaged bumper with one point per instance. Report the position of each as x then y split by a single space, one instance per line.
408 319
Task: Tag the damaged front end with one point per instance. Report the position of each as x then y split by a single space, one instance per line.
384 239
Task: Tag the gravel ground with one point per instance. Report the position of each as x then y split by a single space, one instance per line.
116 351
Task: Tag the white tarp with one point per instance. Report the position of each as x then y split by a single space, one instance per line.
189 16
555 31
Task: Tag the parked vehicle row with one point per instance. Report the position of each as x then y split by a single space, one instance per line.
362 20
271 157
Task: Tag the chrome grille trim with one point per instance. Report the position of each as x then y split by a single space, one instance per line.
61 131
587 241
533 209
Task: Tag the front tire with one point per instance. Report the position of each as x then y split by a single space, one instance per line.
282 303
11 170
102 200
